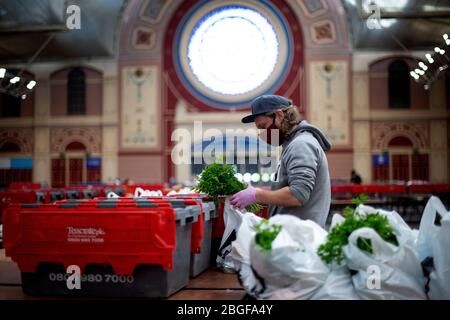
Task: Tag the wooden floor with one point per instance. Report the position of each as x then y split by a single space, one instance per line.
210 285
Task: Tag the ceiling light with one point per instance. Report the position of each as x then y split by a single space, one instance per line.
442 51
423 66
24 96
2 72
429 58
15 79
447 40
437 49
414 75
31 84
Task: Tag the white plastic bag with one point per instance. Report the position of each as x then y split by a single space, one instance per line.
244 236
401 228
292 269
241 254
434 242
390 272
232 220
338 285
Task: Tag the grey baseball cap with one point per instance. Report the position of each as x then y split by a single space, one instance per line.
264 104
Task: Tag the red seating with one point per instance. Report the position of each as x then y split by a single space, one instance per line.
365 188
441 188
392 189
24 186
421 188
341 188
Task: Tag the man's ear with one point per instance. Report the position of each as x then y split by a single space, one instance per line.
279 115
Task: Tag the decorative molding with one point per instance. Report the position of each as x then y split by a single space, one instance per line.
144 38
329 99
61 137
313 8
140 111
22 137
16 122
400 115
384 132
153 10
323 32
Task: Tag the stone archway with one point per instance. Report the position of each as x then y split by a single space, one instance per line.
21 137
383 133
89 137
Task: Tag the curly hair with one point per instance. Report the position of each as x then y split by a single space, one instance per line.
291 119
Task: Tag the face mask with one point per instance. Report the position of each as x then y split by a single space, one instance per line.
272 132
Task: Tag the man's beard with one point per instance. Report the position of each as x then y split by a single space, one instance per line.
273 136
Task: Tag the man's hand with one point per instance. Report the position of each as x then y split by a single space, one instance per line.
244 198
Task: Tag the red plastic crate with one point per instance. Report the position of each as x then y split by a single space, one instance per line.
8 197
197 226
122 237
219 224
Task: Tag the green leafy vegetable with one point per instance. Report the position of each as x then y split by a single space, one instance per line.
331 250
219 180
265 234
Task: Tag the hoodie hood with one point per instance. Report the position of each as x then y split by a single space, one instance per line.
304 126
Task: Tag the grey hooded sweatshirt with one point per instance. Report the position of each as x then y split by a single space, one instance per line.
303 167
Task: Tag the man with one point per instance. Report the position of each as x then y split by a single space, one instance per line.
355 178
302 182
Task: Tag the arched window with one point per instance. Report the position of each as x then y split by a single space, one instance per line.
400 141
75 146
399 85
229 54
9 147
76 92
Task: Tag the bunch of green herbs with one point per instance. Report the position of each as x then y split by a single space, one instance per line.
266 234
219 179
331 250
